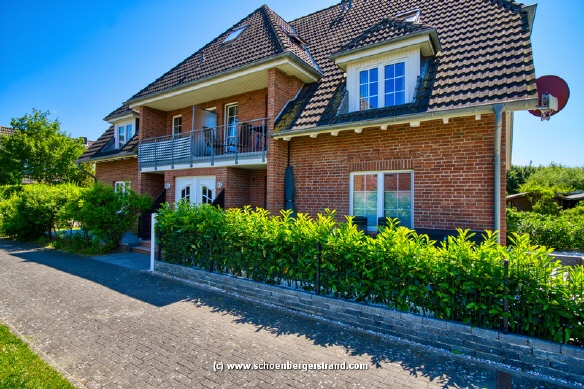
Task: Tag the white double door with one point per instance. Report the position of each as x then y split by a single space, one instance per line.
196 190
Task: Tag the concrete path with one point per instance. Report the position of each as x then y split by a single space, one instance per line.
107 326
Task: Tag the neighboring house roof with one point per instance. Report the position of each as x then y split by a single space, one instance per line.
103 148
267 35
517 196
572 196
485 57
6 130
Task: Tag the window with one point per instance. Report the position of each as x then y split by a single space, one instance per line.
231 133
382 194
390 92
234 34
368 88
185 193
121 186
176 125
395 84
410 16
124 132
121 136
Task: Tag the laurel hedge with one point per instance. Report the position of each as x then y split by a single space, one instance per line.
458 280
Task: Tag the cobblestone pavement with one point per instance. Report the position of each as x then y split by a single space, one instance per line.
105 326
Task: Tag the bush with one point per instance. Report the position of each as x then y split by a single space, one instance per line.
109 214
34 210
563 232
400 269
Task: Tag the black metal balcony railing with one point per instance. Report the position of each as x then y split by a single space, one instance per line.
206 145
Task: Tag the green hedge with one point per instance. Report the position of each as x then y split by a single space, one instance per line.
562 232
36 211
458 281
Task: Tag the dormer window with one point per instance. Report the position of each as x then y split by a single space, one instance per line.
391 91
124 132
409 16
383 64
234 34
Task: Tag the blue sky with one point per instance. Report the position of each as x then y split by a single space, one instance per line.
81 60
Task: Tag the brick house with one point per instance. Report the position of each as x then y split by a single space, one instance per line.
382 108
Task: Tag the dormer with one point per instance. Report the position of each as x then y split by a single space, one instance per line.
383 64
125 122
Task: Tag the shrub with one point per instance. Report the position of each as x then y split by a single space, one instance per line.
459 280
34 210
109 214
563 232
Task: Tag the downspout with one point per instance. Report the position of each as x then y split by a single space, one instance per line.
86 172
498 109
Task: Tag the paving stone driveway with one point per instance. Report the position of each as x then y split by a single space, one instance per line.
106 326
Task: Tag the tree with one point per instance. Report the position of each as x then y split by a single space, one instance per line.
39 150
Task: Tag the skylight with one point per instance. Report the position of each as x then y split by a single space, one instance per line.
409 16
234 34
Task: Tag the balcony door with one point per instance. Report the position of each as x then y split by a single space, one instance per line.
196 190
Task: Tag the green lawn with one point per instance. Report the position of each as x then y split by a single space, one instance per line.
22 368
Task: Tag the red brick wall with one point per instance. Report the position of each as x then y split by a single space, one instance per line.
281 89
119 170
151 183
452 164
152 123
242 187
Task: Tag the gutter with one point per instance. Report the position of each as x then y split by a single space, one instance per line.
515 105
109 158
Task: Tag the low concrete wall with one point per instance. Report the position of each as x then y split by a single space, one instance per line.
569 260
529 354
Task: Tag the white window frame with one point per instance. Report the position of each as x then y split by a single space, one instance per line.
381 103
127 134
122 186
380 193
409 56
175 126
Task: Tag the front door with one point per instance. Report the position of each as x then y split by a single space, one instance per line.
196 190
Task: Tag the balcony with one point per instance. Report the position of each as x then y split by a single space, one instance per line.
242 144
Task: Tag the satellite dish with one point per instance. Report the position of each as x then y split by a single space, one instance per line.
553 94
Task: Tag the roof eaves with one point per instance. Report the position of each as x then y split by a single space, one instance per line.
286 54
515 105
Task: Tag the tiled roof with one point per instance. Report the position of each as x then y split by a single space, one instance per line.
485 56
123 110
266 35
385 30
6 130
103 148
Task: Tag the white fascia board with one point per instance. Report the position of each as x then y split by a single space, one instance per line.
510 106
382 48
120 119
284 60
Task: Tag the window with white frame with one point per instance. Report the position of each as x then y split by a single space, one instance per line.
124 132
381 195
121 186
390 92
176 125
